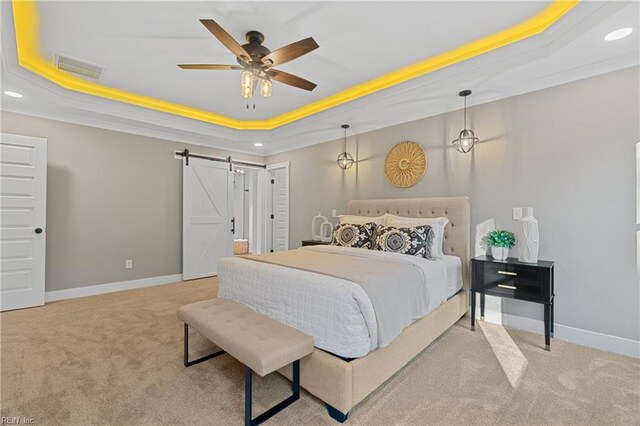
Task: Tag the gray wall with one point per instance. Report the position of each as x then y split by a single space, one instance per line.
568 151
111 196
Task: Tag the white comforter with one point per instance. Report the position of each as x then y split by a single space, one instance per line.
336 312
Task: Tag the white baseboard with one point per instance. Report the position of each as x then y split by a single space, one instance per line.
92 290
592 339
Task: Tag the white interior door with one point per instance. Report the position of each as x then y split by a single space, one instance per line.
279 206
261 211
207 213
23 205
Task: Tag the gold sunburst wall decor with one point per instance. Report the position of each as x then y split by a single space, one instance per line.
405 164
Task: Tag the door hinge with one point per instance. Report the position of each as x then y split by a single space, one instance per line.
273 217
273 181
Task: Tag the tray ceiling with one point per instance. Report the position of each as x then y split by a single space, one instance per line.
364 48
571 49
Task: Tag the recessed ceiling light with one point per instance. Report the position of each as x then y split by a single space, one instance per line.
13 94
618 34
257 144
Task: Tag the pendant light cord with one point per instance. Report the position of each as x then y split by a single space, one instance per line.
465 113
345 127
345 140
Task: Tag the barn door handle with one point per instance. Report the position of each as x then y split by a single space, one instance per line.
233 225
38 230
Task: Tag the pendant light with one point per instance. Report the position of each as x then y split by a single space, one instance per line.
466 139
345 160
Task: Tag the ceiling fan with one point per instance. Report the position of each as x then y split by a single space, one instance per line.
256 61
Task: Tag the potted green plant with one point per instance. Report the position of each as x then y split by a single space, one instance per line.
500 242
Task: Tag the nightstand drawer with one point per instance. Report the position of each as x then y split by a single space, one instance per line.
513 281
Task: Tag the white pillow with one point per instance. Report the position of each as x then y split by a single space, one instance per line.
436 223
361 220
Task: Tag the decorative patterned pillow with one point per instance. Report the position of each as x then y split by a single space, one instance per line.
415 241
438 225
352 235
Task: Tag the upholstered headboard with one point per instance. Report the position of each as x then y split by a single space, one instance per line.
457 234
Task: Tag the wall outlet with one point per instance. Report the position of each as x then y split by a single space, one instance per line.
128 264
334 213
517 213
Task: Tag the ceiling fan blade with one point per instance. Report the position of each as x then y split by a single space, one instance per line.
209 67
225 38
291 80
290 52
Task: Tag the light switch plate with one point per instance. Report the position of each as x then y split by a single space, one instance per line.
517 213
128 264
334 213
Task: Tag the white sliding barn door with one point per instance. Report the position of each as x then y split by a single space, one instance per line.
279 206
23 204
207 213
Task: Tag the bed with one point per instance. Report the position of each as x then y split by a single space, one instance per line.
355 354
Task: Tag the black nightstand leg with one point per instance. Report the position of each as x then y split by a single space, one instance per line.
547 326
473 309
482 306
552 320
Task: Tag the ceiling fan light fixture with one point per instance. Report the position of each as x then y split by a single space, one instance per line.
265 88
256 61
247 79
246 92
246 84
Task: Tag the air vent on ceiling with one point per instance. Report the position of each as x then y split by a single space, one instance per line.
76 66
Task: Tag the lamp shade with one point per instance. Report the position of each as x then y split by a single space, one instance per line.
265 88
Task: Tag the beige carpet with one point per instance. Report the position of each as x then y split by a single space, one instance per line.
117 359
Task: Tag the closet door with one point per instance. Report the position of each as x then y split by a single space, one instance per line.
207 216
279 206
23 204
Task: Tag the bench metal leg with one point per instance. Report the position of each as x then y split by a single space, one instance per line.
188 363
337 414
295 389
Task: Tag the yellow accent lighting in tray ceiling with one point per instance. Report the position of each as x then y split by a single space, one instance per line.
26 22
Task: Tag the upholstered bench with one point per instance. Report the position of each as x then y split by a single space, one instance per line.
262 344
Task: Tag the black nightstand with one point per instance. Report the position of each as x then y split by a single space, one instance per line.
315 243
510 278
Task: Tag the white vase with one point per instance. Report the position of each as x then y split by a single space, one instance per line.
500 253
326 231
316 226
528 237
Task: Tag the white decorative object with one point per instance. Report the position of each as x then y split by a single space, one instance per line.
326 231
321 228
528 237
500 253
